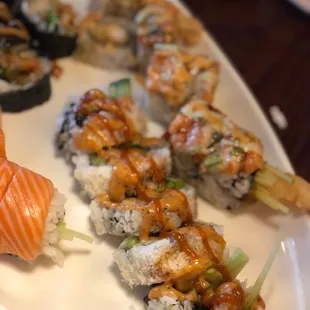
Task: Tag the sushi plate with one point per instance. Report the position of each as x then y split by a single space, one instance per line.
90 279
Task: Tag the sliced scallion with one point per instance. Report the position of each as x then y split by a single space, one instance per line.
279 173
174 183
236 262
212 160
69 234
254 292
95 160
262 195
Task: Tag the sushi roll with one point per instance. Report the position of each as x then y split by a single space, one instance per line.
55 28
94 172
131 216
140 198
173 77
12 31
32 214
171 255
190 268
95 121
24 79
108 43
225 162
160 22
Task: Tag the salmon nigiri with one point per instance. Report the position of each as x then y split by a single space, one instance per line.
31 213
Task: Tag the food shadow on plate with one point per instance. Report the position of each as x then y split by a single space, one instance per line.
79 193
41 262
138 293
27 267
264 214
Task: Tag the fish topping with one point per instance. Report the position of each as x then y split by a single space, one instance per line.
172 74
138 173
106 124
216 143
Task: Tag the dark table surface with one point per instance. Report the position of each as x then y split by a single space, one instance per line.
268 41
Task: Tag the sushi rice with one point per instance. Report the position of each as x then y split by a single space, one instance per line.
168 303
128 222
56 214
95 180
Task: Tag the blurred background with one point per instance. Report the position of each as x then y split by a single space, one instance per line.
268 43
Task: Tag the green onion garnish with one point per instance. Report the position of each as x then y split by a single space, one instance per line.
262 195
95 160
279 173
130 242
255 290
121 88
51 19
213 276
236 263
69 234
174 183
212 160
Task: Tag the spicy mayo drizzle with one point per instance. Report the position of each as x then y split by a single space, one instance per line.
125 173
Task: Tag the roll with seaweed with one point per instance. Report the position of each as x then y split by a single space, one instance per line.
54 27
141 198
225 162
173 77
108 43
190 268
24 79
96 122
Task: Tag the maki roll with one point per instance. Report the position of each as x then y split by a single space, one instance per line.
160 22
188 268
32 214
225 162
55 28
141 199
108 43
173 77
12 31
24 79
96 121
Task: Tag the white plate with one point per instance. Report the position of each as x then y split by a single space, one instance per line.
303 5
90 280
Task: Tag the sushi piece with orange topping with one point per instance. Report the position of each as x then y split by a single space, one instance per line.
214 154
96 122
173 77
31 214
141 198
190 268
162 22
226 163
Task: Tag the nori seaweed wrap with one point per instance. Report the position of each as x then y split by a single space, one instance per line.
55 28
24 79
24 76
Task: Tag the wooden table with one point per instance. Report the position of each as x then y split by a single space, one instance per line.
268 41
